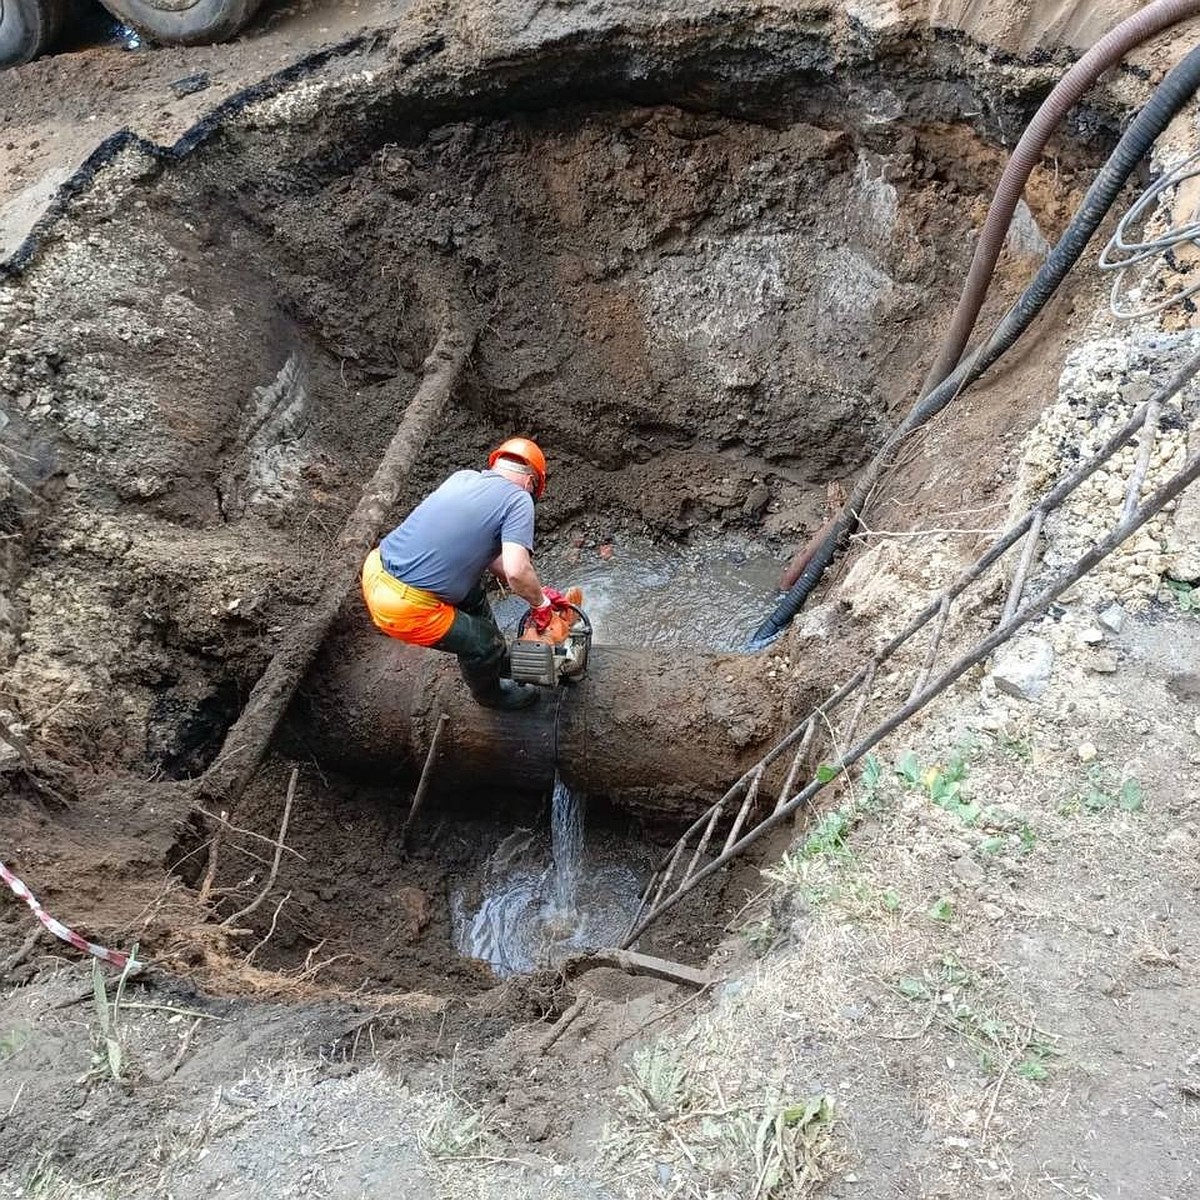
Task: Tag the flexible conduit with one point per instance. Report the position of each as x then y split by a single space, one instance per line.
1106 53
1170 96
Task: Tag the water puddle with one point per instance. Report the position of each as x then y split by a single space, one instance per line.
707 594
541 898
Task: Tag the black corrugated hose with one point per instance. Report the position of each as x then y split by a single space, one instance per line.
1169 97
1066 93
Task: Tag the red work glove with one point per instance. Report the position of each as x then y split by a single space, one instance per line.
557 601
541 616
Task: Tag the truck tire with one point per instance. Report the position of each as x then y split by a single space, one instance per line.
27 27
183 22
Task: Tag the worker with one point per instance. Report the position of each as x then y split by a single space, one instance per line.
423 583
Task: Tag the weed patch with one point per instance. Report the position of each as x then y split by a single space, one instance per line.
675 1124
946 786
108 1051
954 997
1103 793
1184 596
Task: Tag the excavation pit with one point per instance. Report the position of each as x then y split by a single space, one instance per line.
708 283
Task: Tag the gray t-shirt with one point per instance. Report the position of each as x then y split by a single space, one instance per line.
447 541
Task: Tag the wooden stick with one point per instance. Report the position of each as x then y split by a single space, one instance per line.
647 964
283 828
22 952
560 1026
423 782
171 1008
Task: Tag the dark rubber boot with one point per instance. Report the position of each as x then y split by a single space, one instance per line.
506 695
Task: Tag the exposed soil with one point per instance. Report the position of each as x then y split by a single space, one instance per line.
706 261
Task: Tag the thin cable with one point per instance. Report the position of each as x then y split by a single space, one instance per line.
1123 253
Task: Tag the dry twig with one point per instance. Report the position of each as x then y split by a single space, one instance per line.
662 1016
262 837
1022 1046
270 932
279 847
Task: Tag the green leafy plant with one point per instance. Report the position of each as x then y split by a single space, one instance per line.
1185 595
787 1144
913 988
1100 795
942 910
943 785
109 1053
828 836
1019 747
1034 1064
908 767
873 775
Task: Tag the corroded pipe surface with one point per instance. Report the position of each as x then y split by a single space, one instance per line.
658 732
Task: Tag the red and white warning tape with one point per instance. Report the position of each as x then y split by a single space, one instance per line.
116 957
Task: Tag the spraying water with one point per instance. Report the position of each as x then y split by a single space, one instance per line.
566 845
578 890
544 898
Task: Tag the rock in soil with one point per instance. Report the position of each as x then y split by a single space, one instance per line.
1022 668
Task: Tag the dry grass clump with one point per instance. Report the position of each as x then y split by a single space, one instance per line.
699 1131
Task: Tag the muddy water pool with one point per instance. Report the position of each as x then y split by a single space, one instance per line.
709 594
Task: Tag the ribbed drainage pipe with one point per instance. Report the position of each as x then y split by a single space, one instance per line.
1105 54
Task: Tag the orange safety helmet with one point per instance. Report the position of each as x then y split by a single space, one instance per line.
530 453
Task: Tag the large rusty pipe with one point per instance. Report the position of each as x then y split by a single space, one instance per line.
659 733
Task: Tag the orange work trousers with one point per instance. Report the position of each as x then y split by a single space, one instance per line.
411 614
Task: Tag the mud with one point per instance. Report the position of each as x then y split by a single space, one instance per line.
705 270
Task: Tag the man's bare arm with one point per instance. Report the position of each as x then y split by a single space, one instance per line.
516 569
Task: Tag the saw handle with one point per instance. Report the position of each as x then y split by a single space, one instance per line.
582 619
